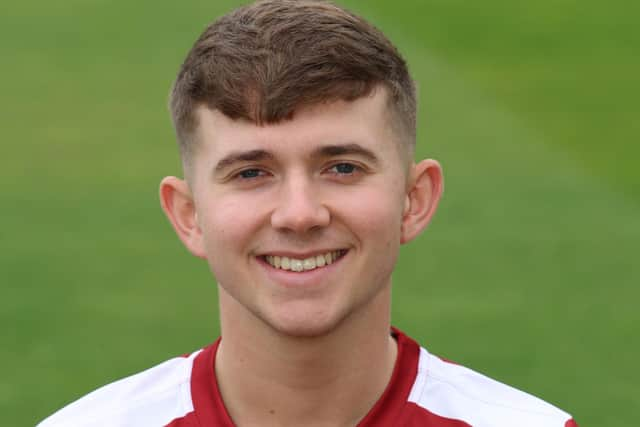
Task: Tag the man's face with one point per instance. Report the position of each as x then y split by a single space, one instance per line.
301 221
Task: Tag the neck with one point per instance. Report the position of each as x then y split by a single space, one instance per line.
268 378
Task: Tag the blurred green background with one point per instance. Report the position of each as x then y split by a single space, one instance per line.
529 272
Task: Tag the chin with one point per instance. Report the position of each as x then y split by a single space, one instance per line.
305 326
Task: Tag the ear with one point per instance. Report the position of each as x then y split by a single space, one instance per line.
423 194
177 203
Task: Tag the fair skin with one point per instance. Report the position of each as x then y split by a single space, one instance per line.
335 193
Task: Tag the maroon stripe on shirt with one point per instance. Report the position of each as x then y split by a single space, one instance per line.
188 420
390 407
422 417
207 401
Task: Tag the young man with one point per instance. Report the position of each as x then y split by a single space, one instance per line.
296 124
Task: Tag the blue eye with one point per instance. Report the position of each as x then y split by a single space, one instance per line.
250 173
344 168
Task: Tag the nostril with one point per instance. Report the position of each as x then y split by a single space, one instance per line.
300 218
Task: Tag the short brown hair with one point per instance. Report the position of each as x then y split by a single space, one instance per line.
263 61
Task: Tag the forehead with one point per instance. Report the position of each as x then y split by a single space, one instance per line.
363 121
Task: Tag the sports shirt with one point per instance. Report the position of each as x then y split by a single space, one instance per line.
424 391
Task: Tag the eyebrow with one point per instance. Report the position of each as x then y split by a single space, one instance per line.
242 156
346 149
324 151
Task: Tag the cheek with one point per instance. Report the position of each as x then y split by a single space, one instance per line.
374 218
374 212
228 223
227 229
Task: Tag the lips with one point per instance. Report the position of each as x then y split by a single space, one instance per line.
304 264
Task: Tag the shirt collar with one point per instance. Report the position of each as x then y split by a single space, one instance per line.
210 410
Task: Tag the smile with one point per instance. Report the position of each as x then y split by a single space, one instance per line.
306 264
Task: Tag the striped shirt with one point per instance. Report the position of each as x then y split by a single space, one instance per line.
424 391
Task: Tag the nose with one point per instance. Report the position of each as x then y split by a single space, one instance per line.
299 207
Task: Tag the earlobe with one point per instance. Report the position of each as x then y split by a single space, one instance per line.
422 198
177 203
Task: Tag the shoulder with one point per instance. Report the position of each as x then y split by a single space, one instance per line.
456 393
152 397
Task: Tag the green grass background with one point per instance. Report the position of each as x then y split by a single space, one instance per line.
529 272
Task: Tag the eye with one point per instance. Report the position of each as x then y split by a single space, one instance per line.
344 169
250 174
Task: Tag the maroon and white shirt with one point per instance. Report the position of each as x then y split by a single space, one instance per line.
425 391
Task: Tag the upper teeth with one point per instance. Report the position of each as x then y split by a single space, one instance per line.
294 264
